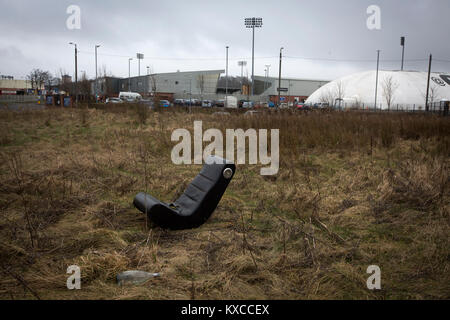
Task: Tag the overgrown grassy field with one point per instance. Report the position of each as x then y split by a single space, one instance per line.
354 189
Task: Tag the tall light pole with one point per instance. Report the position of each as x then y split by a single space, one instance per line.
279 77
96 83
427 108
242 64
139 56
267 76
76 73
253 23
147 82
376 81
129 75
226 81
402 43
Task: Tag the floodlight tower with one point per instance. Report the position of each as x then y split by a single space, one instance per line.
242 64
402 43
129 74
253 23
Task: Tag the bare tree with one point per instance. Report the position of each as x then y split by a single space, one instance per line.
340 90
153 83
38 78
433 94
328 97
389 87
65 83
85 85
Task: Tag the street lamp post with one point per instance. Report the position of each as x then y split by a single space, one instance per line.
279 78
253 23
76 73
376 81
96 82
147 82
427 108
129 75
226 81
267 76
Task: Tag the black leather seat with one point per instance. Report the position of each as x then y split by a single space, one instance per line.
198 201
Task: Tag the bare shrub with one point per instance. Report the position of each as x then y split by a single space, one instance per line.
142 112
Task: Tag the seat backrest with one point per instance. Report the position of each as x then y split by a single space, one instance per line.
204 193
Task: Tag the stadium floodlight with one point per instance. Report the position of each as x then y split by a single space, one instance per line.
139 56
253 23
242 64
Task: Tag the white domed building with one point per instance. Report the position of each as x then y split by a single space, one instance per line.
405 90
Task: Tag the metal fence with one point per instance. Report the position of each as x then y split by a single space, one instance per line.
19 98
433 107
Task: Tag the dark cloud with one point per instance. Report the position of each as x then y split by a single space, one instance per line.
193 34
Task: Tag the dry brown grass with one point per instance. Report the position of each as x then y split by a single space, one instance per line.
354 189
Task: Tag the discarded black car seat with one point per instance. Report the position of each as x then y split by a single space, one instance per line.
198 201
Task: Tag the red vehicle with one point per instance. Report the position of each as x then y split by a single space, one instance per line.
300 105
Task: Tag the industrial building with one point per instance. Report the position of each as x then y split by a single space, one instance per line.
208 84
166 85
405 90
292 89
11 86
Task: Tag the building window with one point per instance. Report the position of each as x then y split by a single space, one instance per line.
176 82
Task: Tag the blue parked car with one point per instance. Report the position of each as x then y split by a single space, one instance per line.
271 104
164 103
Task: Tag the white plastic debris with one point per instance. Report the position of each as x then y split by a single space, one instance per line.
134 277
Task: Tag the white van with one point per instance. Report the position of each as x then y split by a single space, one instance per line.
231 102
130 96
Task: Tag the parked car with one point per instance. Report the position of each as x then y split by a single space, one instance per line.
164 103
299 105
130 96
147 102
207 103
113 100
271 104
195 102
178 102
220 103
248 104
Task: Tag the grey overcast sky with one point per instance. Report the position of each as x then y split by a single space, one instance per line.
192 35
